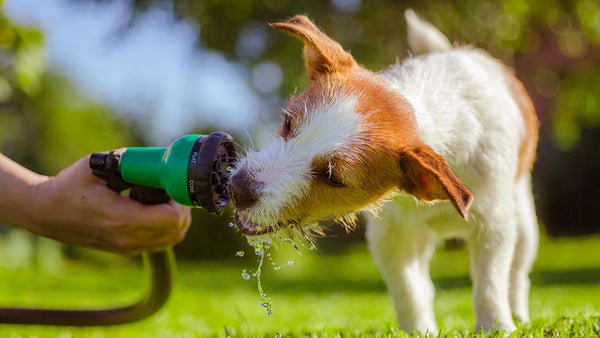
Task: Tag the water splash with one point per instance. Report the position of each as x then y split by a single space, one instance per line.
261 246
289 263
259 249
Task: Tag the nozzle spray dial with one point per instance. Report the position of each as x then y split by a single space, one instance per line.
209 171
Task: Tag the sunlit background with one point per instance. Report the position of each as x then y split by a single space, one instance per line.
84 76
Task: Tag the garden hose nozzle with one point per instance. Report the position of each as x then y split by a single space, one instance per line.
194 171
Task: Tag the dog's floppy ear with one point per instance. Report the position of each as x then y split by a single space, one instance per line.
427 176
322 54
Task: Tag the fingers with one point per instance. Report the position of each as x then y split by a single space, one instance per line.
170 217
136 247
148 227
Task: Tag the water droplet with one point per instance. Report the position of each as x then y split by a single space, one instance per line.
268 307
259 253
245 274
231 225
240 253
289 263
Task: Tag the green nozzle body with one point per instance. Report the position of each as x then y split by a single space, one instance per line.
194 170
161 167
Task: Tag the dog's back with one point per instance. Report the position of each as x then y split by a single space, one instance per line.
469 107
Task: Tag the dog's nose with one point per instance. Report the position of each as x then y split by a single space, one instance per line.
243 194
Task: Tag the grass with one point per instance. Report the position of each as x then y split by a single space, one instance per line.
320 296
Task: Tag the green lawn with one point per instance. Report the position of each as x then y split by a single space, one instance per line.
318 296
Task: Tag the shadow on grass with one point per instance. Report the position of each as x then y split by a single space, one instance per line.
337 285
577 276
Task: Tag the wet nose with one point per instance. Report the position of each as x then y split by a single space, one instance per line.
243 194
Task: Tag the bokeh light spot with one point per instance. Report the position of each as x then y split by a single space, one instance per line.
251 40
267 77
347 5
547 83
572 44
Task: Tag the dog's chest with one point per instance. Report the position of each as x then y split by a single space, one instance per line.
404 213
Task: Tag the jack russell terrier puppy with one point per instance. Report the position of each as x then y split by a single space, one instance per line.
450 125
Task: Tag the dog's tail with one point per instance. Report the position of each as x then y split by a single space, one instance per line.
423 37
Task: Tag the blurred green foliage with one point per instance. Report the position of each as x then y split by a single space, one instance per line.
45 122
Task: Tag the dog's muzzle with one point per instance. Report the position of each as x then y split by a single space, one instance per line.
243 193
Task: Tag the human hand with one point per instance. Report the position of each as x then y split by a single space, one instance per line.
76 207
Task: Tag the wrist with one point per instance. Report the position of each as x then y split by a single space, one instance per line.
39 195
18 195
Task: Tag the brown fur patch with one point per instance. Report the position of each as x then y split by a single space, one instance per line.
527 153
428 177
321 53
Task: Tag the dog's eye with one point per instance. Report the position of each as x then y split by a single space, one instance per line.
324 171
333 179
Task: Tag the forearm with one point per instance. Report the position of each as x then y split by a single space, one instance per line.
17 193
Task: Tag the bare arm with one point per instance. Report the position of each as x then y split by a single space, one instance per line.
17 192
77 208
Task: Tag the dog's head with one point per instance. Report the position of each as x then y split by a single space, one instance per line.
343 144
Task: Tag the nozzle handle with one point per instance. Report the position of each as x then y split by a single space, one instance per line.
106 167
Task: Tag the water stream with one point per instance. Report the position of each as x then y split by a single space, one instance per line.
261 248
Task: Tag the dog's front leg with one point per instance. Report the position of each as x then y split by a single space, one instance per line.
403 258
492 245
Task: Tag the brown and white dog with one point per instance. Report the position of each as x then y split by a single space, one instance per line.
452 124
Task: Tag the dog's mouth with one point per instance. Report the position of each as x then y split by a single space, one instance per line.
250 228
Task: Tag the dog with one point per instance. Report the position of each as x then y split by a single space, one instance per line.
448 130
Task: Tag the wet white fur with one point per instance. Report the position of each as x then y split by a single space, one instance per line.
283 169
466 113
